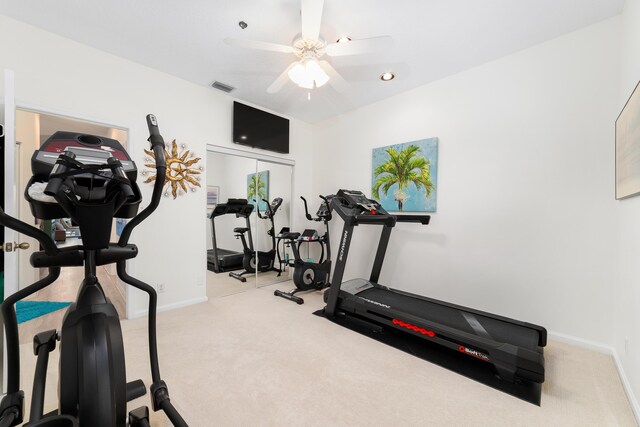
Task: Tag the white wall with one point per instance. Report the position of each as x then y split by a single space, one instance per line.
57 74
524 223
626 321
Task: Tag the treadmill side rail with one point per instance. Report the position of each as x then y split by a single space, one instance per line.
507 358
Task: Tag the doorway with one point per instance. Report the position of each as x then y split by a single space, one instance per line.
2 257
32 129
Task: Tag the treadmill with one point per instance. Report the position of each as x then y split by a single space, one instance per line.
513 347
220 260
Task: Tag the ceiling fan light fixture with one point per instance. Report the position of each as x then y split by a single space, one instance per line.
316 73
387 77
298 75
307 73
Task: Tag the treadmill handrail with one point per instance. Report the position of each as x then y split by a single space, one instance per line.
387 220
422 219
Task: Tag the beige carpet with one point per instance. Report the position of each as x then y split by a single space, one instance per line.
252 359
222 285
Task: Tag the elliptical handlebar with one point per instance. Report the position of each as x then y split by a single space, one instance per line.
325 218
306 209
269 211
260 215
157 145
125 184
55 181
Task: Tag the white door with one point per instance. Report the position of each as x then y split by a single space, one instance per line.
10 191
10 200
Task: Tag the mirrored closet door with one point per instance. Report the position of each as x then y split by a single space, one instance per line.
274 187
231 221
248 209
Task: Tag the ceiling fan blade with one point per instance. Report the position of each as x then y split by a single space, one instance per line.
335 79
254 44
359 47
311 18
281 80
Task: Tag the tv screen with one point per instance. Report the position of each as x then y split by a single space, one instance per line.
259 129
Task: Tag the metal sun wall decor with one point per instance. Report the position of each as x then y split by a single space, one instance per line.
404 176
183 173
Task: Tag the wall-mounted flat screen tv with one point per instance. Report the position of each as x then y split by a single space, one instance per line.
259 129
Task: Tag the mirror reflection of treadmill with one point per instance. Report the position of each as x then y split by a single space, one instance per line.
218 259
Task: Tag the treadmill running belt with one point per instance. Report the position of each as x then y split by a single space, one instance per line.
499 331
223 252
226 259
470 367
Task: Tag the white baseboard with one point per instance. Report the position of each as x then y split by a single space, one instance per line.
601 348
173 306
579 342
635 406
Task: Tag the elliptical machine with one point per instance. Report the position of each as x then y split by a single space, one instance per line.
309 276
266 259
92 180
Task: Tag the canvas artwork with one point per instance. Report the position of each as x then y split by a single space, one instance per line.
258 188
628 148
213 195
404 176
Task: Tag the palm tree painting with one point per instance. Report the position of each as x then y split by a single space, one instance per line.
258 188
405 176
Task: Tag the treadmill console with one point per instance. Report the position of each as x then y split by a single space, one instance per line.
357 200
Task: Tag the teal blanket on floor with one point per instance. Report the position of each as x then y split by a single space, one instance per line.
27 310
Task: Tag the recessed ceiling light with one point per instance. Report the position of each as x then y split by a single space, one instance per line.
387 76
343 39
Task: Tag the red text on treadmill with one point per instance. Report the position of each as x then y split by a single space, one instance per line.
473 353
414 328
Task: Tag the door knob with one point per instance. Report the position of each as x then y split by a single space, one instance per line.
23 245
10 247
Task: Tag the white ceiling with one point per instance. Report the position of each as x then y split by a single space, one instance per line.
432 39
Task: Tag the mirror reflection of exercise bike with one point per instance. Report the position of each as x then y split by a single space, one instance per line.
309 275
91 180
266 260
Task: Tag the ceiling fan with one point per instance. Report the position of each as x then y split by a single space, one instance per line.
309 70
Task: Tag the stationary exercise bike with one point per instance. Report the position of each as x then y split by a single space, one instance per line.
307 275
92 180
266 259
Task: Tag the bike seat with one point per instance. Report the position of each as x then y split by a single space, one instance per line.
290 236
240 230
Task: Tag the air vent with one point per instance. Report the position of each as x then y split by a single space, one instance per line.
221 86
